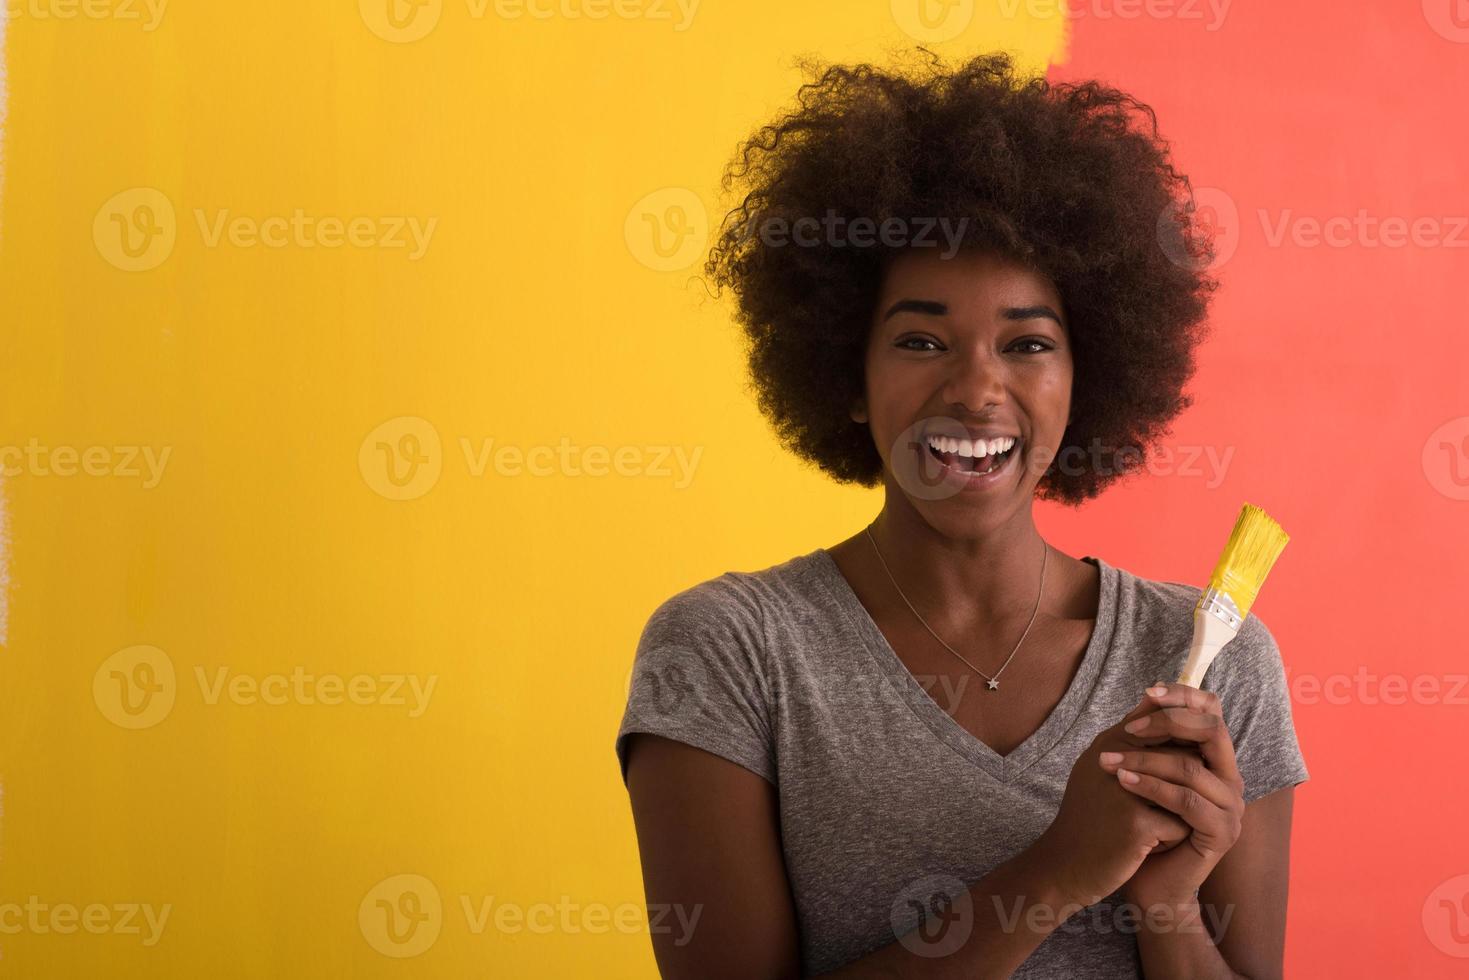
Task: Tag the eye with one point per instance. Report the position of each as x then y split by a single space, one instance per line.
903 344
1035 343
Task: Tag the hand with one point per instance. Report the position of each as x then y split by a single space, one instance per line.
1202 786
1102 832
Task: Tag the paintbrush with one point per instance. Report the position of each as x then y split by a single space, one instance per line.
1255 543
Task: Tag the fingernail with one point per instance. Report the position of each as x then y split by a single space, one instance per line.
1136 725
1111 757
1158 691
1127 776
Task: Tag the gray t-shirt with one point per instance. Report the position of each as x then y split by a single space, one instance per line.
886 802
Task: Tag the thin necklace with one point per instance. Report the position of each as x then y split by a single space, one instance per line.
994 682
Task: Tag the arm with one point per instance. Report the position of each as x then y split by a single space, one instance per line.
1244 895
709 839
1252 882
1241 904
1241 889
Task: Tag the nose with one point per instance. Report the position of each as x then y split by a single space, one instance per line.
977 381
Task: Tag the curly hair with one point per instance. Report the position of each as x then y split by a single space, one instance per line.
1057 177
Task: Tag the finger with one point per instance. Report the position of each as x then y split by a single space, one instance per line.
1156 727
1181 723
1165 828
1143 707
1185 768
1177 695
1183 696
1192 807
1208 732
1174 695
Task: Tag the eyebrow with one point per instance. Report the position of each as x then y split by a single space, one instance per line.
935 308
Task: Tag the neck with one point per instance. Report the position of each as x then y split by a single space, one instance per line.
964 582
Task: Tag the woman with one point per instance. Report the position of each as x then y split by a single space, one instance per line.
908 754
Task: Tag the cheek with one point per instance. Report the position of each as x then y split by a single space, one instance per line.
895 409
890 395
1054 391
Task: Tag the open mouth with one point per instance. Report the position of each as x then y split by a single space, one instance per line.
978 457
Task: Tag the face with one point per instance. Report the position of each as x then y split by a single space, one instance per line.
964 351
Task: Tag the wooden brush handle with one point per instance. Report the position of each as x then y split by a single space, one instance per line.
1210 635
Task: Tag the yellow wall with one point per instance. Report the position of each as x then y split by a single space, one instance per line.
270 537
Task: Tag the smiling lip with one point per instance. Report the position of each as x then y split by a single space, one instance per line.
965 481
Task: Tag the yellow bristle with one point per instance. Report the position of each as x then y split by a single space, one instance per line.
1255 543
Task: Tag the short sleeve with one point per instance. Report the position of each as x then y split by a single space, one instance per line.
1249 678
698 677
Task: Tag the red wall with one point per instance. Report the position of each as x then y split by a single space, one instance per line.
1330 373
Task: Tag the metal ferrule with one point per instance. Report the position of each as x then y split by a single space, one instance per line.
1219 605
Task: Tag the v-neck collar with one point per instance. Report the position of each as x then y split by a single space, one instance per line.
950 732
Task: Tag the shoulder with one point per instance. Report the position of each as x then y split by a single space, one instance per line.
732 623
1157 615
1155 600
1248 677
701 674
738 599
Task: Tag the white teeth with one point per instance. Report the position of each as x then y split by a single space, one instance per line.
972 447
